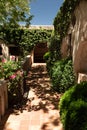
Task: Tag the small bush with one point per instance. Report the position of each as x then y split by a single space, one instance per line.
11 71
46 56
15 90
68 77
49 63
57 70
62 75
73 108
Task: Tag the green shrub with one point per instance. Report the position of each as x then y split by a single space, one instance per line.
57 70
11 71
46 56
9 68
15 90
76 117
62 75
73 107
68 77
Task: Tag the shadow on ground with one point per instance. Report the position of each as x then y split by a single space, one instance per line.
43 97
39 81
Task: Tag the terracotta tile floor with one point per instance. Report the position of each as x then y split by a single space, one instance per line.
42 113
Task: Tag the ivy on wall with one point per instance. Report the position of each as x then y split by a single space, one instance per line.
64 17
62 21
26 39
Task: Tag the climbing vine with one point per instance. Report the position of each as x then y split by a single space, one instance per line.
26 39
61 23
64 17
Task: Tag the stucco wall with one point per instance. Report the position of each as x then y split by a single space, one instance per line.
5 50
79 38
64 48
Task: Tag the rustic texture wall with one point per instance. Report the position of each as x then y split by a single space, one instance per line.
5 50
82 77
65 47
79 38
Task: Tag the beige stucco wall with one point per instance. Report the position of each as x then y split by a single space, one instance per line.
65 47
79 38
5 50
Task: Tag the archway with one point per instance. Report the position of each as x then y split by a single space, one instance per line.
39 51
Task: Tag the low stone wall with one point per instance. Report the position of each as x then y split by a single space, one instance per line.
3 98
82 77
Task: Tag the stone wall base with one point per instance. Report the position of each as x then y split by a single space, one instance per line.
82 77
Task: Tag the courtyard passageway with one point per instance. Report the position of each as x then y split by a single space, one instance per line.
40 112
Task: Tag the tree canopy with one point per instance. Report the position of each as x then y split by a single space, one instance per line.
14 11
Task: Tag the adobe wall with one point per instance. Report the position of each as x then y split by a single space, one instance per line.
5 50
65 47
79 38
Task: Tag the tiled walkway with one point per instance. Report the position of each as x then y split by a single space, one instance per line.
41 112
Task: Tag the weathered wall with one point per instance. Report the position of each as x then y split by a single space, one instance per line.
4 50
64 47
79 38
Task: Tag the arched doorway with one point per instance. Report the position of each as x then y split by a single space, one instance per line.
39 51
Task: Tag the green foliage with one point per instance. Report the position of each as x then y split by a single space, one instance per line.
73 107
64 17
46 56
54 47
25 39
54 52
9 70
68 78
49 62
31 37
61 24
15 90
57 71
62 75
12 12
